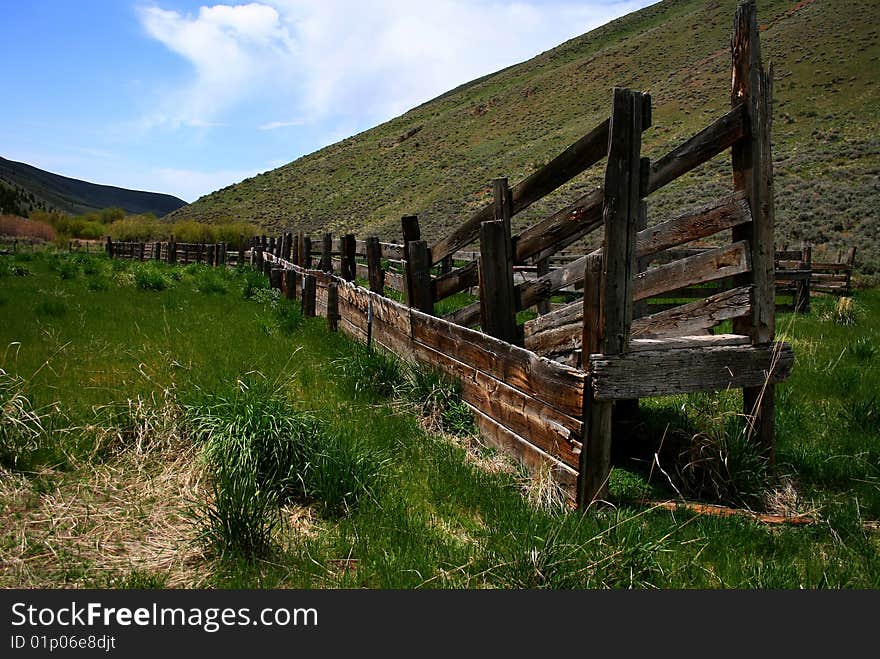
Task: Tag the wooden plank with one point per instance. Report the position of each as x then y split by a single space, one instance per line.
392 251
575 159
725 213
384 309
563 228
668 372
558 386
695 317
708 266
698 341
700 148
532 458
456 281
542 425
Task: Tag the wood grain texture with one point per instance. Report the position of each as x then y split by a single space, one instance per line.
678 371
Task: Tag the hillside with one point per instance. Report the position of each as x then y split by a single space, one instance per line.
30 188
437 159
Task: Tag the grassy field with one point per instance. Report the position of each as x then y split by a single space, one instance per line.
183 427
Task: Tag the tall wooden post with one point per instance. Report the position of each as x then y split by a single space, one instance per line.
285 245
307 252
374 265
497 292
109 247
495 268
349 264
418 275
172 250
309 290
802 286
411 232
753 172
851 262
332 306
327 252
608 287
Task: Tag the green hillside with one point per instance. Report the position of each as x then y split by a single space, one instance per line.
24 188
437 160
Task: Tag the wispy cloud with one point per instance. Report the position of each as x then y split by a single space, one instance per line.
354 62
274 125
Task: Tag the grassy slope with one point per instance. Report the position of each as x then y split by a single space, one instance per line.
71 195
93 513
507 124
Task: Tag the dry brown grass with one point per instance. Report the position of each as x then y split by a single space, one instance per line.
105 522
21 227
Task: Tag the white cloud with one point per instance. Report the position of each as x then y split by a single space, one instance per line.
273 125
234 50
351 61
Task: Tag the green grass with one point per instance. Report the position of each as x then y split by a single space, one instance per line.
251 453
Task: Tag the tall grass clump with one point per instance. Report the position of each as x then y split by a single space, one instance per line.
436 397
151 277
369 372
21 425
262 452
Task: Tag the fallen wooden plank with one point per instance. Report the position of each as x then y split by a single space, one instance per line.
724 511
678 371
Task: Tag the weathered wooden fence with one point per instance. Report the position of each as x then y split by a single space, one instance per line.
547 390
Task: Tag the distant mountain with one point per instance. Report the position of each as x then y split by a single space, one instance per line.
438 159
31 188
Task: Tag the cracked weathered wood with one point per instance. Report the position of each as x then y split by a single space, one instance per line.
680 371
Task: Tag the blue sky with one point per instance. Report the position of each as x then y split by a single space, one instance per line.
186 97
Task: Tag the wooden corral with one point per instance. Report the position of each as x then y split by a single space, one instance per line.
546 391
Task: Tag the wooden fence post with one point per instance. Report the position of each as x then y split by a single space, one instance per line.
309 290
851 262
419 293
141 249
288 284
411 231
327 252
172 249
349 265
497 292
374 265
285 246
802 286
157 251
275 275
109 247
307 252
608 306
332 306
753 172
